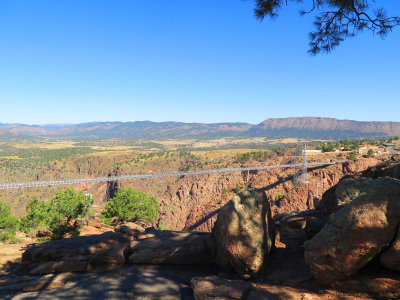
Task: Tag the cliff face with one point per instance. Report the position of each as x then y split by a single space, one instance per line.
194 202
326 127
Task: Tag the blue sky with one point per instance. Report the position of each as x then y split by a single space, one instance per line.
73 61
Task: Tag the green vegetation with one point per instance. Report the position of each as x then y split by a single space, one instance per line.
347 145
238 188
329 147
68 210
257 156
8 224
130 205
63 215
161 226
335 20
352 156
370 153
277 199
38 216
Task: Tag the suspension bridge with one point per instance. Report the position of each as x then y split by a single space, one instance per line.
19 185
299 176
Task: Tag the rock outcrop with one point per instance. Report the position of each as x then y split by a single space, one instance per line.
80 254
169 247
130 228
355 234
360 165
343 193
391 257
390 168
214 287
243 233
294 228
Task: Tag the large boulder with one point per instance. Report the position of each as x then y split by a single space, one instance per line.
132 229
355 234
341 194
391 257
172 247
80 254
243 233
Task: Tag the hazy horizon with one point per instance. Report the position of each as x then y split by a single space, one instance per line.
174 121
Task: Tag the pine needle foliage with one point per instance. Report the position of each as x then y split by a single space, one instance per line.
335 20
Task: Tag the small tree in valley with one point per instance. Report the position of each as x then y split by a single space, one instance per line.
352 156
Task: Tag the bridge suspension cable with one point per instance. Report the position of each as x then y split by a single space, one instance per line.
19 185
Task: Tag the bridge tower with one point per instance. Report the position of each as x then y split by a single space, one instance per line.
295 178
304 167
300 174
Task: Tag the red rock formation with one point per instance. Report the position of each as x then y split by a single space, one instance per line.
193 202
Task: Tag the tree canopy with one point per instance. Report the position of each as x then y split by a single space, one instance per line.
130 205
335 20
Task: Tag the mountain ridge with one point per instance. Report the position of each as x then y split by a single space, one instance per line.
301 127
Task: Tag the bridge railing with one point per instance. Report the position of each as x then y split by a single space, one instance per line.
18 185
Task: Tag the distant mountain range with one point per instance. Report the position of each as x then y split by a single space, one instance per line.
304 127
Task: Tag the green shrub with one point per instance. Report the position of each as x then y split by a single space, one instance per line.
8 224
238 188
130 205
370 153
68 210
352 156
38 215
161 226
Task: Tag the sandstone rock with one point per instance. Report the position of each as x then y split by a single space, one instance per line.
78 254
355 234
43 232
243 233
389 168
360 165
94 223
294 228
129 228
274 292
373 286
343 193
90 230
391 257
33 283
169 247
214 287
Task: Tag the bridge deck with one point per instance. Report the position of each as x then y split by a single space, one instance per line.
18 185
